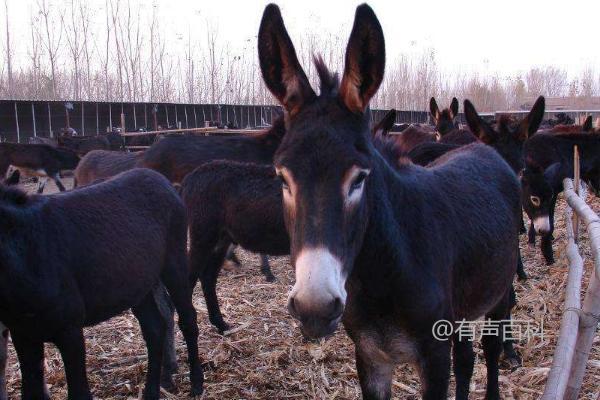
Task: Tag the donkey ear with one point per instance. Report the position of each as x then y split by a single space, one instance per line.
384 126
531 123
479 127
365 61
279 64
454 107
434 110
588 126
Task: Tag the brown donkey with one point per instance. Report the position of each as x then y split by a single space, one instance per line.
389 252
444 120
38 159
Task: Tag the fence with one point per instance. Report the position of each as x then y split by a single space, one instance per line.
579 323
22 119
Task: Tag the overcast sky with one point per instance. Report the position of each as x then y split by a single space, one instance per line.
505 36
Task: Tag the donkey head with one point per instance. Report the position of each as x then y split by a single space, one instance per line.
505 137
383 127
538 188
444 120
323 162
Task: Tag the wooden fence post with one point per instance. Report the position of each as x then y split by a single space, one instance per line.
17 122
587 329
50 121
558 376
576 176
33 119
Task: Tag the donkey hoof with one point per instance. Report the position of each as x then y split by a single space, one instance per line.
550 261
511 361
167 383
197 380
270 278
222 327
522 276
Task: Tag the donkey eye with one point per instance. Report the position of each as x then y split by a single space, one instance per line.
284 183
358 181
535 201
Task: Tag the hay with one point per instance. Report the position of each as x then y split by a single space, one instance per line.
264 356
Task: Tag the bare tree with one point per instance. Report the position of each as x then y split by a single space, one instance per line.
127 54
52 41
35 57
84 18
74 42
9 54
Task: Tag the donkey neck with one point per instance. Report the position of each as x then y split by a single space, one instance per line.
395 252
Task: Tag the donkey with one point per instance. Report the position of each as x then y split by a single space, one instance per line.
38 159
391 252
47 297
505 137
587 126
413 136
548 159
176 156
103 164
230 202
12 180
84 144
42 140
444 120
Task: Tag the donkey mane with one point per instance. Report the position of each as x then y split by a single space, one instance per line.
13 196
329 81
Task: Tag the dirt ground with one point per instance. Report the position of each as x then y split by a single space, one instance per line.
264 356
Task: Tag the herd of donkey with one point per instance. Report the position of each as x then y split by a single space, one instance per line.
387 232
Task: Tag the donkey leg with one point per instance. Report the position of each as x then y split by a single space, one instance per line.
548 238
213 262
547 248
531 235
492 348
3 358
435 369
511 358
463 360
231 256
375 377
169 358
265 268
71 345
522 229
59 185
42 184
153 329
31 358
520 267
176 280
